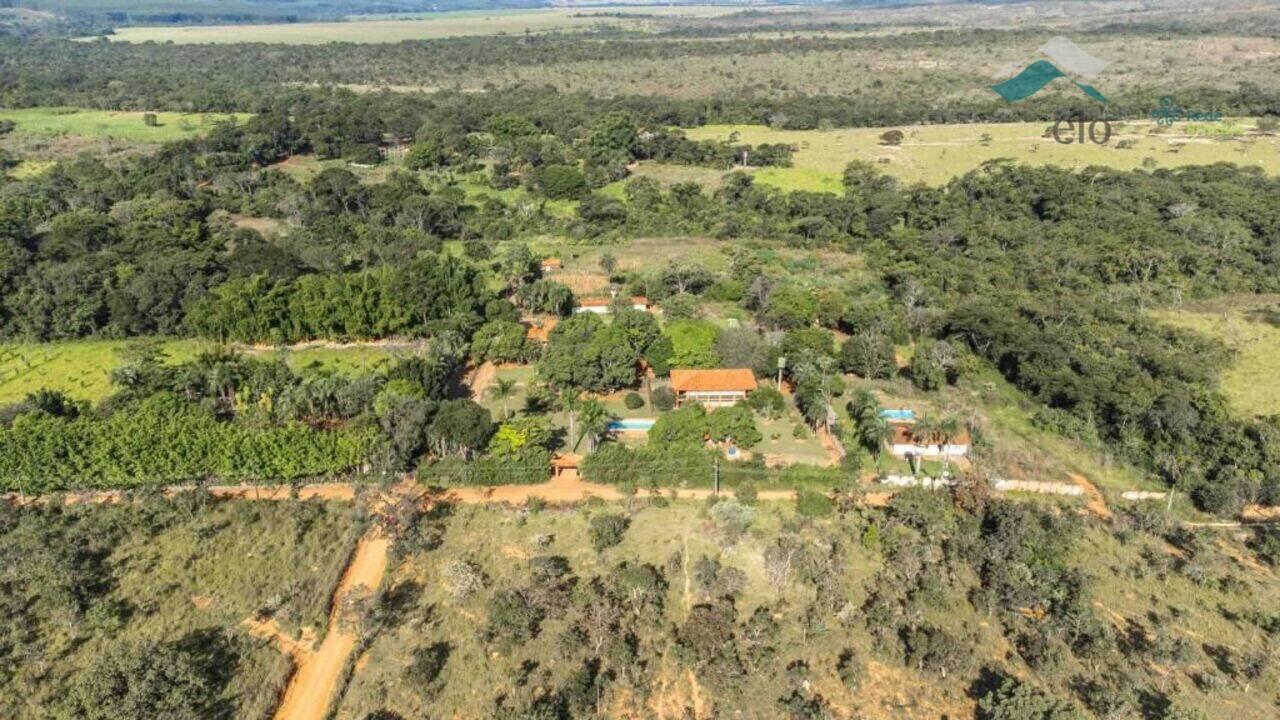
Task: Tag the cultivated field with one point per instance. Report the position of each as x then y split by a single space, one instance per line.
934 154
120 125
419 26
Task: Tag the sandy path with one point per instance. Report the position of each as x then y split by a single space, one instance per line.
1096 503
835 454
480 379
314 683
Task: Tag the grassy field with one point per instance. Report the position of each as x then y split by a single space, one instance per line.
418 26
113 124
82 369
934 154
1248 327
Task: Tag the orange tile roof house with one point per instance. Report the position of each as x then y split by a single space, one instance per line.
712 388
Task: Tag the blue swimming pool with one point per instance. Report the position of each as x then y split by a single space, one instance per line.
631 425
898 414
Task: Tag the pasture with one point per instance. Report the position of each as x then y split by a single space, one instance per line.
933 154
82 369
119 125
1250 328
420 26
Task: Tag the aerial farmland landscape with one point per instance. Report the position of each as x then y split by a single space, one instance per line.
592 360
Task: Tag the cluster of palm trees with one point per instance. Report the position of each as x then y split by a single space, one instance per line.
872 431
588 417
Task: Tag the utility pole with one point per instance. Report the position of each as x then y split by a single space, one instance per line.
782 363
715 469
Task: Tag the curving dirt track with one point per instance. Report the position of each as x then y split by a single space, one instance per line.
315 681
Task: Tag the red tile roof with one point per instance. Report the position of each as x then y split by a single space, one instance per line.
906 435
606 302
718 380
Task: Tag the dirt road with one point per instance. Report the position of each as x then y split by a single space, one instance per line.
480 379
314 685
1094 501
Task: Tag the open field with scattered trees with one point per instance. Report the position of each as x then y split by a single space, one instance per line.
423 26
136 126
934 154
139 610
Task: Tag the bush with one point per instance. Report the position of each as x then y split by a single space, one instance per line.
562 182
812 504
633 401
768 402
850 669
1015 700
607 530
664 399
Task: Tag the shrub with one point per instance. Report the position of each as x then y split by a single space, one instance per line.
812 504
664 399
850 669
562 182
768 402
462 578
681 307
426 664
891 137
607 530
633 401
1015 700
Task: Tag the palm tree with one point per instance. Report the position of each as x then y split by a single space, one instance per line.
594 420
947 428
570 400
503 389
872 436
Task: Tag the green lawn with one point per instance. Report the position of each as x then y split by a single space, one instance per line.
933 154
114 124
779 440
